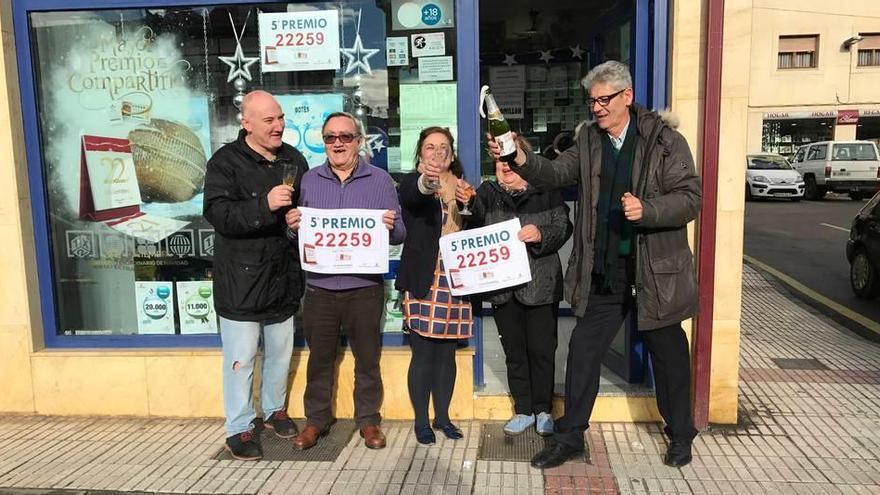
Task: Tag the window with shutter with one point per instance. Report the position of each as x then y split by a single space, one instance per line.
798 52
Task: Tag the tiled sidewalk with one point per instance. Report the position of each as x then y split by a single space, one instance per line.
810 423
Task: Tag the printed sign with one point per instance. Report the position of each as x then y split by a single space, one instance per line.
81 244
114 245
304 115
195 305
206 242
299 41
155 307
428 44
508 86
108 182
397 51
422 14
485 259
435 69
343 241
150 228
392 317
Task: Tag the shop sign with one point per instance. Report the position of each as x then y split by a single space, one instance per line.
847 117
873 112
821 114
421 14
299 41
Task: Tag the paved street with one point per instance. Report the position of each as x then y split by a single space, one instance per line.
809 423
807 241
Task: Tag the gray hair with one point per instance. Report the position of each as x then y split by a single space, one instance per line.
357 123
614 73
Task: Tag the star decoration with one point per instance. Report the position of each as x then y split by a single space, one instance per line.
374 142
576 51
509 60
546 56
239 65
357 57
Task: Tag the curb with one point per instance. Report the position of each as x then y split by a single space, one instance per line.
840 314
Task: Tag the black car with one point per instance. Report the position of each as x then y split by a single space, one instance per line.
863 250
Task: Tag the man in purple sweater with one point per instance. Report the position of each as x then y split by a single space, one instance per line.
353 302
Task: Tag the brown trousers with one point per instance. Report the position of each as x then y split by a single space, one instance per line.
326 315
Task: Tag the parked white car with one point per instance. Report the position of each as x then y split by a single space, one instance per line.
769 175
850 167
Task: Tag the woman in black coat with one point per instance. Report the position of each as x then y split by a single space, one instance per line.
434 319
526 315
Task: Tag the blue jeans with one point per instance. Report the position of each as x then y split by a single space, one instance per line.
240 344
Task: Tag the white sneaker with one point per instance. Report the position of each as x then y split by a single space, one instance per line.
519 423
544 424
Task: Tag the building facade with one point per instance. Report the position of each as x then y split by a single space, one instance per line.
107 292
813 74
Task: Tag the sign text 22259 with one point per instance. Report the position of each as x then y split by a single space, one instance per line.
343 239
299 39
479 258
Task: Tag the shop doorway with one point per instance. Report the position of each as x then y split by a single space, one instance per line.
534 55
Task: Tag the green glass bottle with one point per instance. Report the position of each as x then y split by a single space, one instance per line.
498 126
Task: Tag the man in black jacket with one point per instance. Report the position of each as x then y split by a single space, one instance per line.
638 190
257 277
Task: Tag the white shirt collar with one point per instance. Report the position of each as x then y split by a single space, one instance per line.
617 142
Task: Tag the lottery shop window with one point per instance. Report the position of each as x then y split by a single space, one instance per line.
131 103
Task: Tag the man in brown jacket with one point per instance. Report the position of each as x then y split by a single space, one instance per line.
637 191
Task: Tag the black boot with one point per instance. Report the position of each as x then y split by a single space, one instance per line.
678 454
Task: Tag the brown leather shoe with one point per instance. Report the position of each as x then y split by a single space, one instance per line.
308 437
373 436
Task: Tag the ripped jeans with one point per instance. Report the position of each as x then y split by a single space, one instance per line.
240 344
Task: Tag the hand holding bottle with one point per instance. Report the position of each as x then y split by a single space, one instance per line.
495 150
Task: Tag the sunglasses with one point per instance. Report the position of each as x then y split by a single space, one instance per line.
343 138
603 100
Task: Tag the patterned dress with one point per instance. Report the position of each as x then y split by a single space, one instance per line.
439 315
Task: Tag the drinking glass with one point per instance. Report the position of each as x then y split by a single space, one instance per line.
469 191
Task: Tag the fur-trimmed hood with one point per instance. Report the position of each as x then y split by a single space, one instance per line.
665 116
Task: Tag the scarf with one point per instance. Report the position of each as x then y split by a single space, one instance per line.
452 221
613 231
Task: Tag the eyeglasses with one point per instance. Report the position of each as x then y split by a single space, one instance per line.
343 138
603 101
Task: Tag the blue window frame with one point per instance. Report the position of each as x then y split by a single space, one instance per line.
466 64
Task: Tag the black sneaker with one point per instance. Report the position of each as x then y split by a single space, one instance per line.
281 423
244 447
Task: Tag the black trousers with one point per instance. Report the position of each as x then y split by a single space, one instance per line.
528 336
432 372
326 314
590 340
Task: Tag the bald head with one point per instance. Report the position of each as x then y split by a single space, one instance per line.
257 99
263 120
